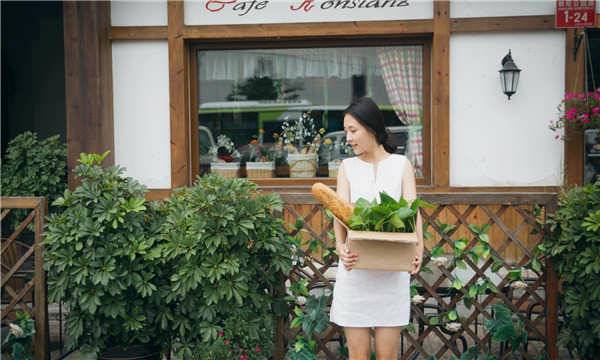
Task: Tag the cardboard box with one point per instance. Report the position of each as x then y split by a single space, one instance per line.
376 250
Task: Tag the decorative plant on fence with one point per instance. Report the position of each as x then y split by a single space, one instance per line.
18 342
504 329
229 255
474 251
574 246
310 313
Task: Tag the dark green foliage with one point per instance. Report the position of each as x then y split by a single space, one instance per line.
574 246
229 253
99 256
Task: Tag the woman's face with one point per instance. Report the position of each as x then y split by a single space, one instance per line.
358 136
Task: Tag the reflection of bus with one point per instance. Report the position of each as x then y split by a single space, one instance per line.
398 137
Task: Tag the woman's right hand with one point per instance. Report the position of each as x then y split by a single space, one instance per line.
348 258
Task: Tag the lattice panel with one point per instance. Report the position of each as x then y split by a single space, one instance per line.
512 242
23 278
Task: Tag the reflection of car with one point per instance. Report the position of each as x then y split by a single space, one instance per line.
398 137
205 140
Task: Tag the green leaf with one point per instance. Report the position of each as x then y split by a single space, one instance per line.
457 284
437 251
452 315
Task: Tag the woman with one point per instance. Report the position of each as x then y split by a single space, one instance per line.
364 299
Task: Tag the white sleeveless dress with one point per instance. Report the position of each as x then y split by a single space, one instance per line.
372 298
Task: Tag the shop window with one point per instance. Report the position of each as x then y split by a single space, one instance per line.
247 98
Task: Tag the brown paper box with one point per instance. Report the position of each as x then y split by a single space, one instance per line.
376 250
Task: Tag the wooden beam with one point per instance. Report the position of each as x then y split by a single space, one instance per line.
504 23
88 81
138 33
180 164
440 94
574 82
305 30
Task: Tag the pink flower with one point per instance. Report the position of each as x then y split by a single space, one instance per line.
585 121
596 109
257 349
220 333
571 114
585 116
226 341
243 357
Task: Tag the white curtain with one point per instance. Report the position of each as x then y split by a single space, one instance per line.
402 70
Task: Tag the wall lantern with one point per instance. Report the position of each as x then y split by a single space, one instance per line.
509 75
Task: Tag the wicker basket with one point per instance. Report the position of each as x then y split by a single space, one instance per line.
302 165
225 169
333 167
265 169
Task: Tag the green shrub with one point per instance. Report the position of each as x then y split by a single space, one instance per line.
574 245
229 253
33 167
99 253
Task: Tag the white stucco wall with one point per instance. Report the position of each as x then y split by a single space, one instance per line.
489 8
141 110
499 142
138 13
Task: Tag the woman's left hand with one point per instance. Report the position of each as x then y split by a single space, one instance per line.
416 264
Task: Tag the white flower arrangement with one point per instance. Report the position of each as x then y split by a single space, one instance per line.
300 135
224 142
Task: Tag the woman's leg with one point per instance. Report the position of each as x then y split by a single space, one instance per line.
359 342
387 340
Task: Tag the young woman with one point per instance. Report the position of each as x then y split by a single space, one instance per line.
365 299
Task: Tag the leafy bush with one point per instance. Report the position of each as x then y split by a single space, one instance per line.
99 256
229 254
33 167
574 245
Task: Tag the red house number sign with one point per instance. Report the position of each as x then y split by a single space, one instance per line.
575 13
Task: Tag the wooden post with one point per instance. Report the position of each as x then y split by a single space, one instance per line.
41 308
88 80
440 91
551 298
180 164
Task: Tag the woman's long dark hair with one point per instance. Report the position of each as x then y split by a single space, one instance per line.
370 116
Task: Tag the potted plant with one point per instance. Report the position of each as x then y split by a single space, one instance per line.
228 268
225 158
260 160
98 252
579 111
302 142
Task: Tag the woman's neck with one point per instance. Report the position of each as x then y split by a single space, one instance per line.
375 155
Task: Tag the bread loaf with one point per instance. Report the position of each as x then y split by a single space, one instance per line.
332 201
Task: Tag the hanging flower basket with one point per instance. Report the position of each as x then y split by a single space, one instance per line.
579 111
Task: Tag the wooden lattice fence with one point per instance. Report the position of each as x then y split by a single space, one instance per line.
23 276
512 235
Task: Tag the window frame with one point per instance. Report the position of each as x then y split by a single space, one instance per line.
325 42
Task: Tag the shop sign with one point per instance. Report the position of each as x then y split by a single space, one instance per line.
226 12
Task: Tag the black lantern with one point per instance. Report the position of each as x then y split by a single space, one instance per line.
509 75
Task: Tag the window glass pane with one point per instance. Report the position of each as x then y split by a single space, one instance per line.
249 96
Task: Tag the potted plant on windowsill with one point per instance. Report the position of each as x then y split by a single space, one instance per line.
260 162
302 142
225 158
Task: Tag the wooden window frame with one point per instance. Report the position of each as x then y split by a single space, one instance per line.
323 42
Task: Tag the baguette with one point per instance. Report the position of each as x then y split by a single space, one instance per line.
331 200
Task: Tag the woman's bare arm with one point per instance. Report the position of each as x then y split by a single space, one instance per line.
345 256
409 192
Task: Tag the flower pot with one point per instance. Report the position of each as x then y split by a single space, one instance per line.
225 169
265 169
333 167
302 165
134 352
